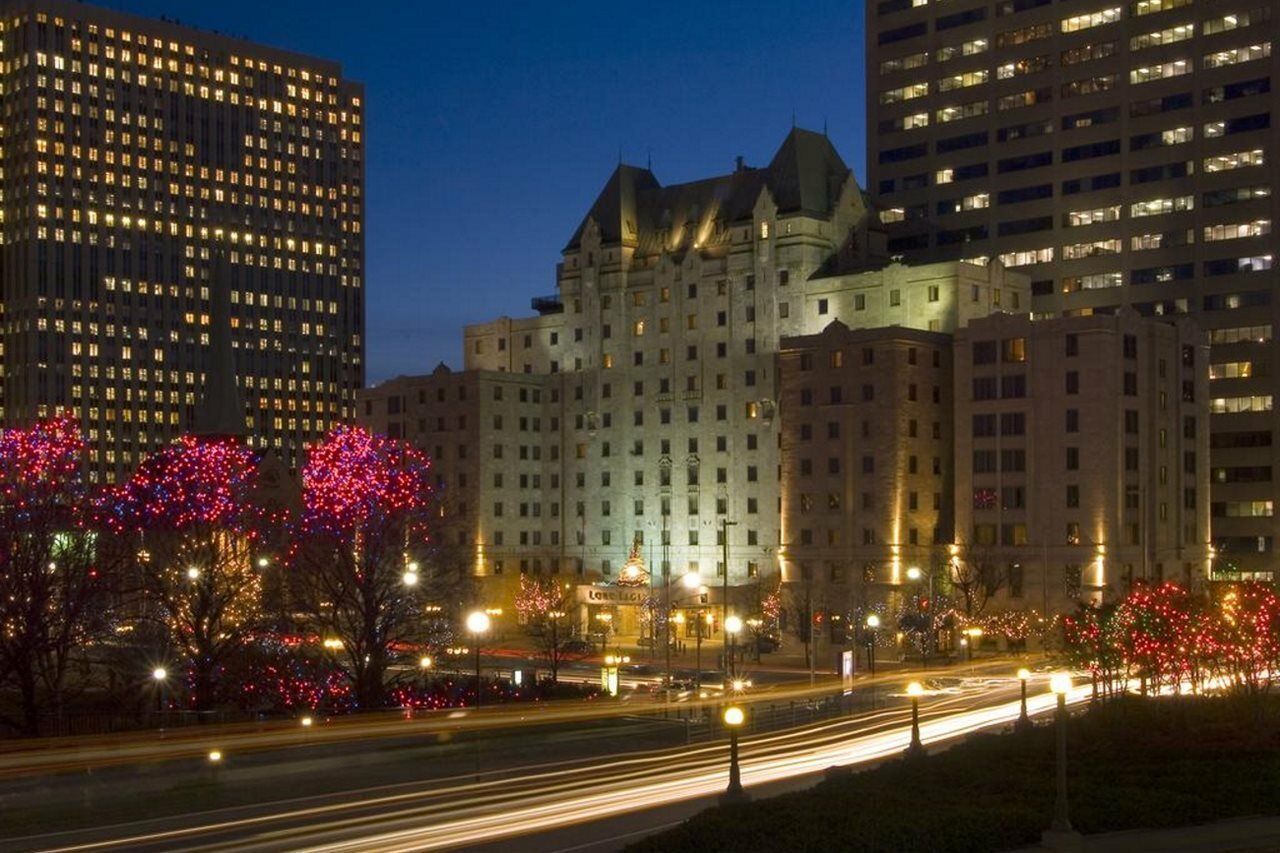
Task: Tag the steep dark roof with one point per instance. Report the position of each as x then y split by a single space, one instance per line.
804 176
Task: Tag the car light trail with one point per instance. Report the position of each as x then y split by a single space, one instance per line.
615 799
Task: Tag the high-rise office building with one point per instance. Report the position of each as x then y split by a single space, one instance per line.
137 153
1118 153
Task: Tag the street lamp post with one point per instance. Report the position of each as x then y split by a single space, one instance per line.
733 718
1060 684
724 605
873 622
732 625
974 635
477 623
697 659
915 690
160 676
1024 720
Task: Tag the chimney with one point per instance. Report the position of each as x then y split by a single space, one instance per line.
738 163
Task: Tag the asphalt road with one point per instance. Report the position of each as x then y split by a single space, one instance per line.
572 805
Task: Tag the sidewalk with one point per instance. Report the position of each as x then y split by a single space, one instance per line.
1245 835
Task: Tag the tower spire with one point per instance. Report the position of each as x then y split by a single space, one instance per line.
220 410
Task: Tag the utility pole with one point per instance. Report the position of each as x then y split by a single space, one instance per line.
666 603
725 524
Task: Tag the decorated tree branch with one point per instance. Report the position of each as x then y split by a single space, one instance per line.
358 561
55 585
190 513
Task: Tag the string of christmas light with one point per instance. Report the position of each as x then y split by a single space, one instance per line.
207 481
41 462
1166 637
354 479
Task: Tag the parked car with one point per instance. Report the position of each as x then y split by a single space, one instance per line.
577 646
767 645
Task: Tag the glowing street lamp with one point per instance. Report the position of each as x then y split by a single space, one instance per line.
732 626
1024 720
410 576
478 623
970 639
160 676
691 581
873 622
915 690
193 574
733 718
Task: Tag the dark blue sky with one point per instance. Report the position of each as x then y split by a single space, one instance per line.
492 126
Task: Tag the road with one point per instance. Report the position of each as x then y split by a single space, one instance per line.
556 806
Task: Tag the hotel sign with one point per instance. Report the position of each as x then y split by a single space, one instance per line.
612 595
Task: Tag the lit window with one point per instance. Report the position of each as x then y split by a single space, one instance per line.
961 81
904 93
959 111
1237 55
1091 19
1157 206
1076 251
1148 73
1159 37
1233 231
1237 160
1077 218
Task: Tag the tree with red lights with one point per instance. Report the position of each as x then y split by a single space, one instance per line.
1155 623
55 590
189 512
1245 636
362 572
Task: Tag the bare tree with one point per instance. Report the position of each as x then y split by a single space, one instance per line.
357 575
975 577
544 604
55 586
190 515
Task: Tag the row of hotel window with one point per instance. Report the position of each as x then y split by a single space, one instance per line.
1225 162
1145 141
1084 86
1075 121
1085 216
1003 8
1081 53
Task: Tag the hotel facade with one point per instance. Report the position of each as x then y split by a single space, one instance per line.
732 376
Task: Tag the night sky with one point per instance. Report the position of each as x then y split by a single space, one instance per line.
493 125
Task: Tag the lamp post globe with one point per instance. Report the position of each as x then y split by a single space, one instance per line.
478 623
1024 720
732 627
733 718
915 690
